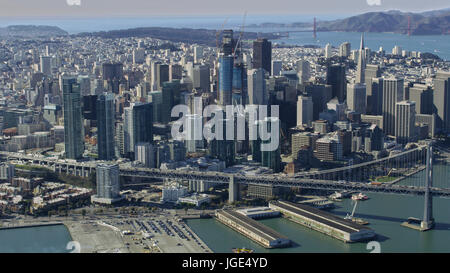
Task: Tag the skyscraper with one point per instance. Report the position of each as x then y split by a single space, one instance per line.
112 71
46 65
441 100
328 51
198 54
321 94
257 93
90 107
138 126
113 74
329 148
228 43
200 78
272 158
423 96
73 124
405 120
170 98
225 79
145 154
85 85
392 93
162 75
360 77
344 49
304 111
240 88
223 149
336 78
303 71
262 55
277 66
356 97
175 72
373 89
105 125
108 184
155 97
7 172
373 140
159 75
193 127
154 75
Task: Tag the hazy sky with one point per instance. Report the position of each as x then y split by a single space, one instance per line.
91 8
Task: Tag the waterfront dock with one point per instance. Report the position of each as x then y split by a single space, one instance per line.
414 223
31 225
318 203
322 221
259 212
258 232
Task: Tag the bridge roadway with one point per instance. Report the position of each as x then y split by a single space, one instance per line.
397 156
220 177
279 180
69 166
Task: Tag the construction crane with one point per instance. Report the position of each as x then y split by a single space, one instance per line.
219 32
237 57
350 217
241 34
357 220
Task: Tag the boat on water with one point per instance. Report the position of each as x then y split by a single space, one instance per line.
338 196
359 221
359 197
242 250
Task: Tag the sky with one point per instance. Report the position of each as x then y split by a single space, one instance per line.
142 8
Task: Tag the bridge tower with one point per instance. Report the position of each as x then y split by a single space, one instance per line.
409 25
233 190
428 220
315 29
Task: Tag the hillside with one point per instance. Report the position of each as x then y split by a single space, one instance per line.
31 31
392 21
425 23
200 36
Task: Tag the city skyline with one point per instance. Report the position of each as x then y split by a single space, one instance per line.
162 140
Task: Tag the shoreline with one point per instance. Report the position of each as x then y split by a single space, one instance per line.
33 225
104 234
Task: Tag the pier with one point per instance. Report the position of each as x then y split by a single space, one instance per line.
258 232
259 212
32 225
324 222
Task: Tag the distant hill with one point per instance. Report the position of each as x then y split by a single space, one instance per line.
186 35
425 23
435 22
436 12
30 31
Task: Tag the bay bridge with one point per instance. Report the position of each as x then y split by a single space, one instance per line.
416 164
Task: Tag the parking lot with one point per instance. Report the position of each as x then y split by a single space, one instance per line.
158 234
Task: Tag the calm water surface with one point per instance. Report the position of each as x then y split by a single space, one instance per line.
385 212
42 239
